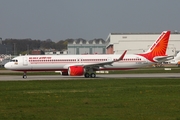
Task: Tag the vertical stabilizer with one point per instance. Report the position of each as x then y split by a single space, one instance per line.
159 47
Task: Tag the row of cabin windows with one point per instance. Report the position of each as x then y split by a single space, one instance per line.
70 60
53 60
131 59
127 59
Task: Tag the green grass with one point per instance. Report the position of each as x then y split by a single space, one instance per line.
147 70
109 99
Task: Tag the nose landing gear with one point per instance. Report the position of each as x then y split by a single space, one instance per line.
24 75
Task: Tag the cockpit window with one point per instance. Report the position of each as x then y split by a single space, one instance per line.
13 60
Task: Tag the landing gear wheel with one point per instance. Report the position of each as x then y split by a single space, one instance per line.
93 75
86 75
24 75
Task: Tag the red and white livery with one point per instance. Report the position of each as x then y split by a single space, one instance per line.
78 65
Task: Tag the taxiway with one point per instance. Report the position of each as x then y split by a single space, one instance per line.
99 76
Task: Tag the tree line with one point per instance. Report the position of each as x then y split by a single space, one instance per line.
21 46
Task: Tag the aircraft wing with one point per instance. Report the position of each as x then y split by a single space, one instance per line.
107 62
163 58
96 65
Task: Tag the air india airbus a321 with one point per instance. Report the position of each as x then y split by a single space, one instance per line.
87 65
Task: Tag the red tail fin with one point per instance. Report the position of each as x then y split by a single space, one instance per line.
159 47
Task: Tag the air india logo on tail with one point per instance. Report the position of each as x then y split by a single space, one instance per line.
159 47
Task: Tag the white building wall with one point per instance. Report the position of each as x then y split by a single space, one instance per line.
48 53
138 43
84 50
97 50
72 51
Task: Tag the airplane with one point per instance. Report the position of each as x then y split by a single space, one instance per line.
88 64
176 60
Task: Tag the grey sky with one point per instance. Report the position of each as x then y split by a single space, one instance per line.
87 19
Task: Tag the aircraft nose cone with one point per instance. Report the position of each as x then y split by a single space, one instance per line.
7 66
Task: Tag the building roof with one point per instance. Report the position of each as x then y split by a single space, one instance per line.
172 32
82 41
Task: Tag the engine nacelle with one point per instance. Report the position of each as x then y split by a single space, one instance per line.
76 70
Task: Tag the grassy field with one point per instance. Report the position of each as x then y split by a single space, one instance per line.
109 99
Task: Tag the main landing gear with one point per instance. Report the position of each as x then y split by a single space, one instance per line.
24 75
91 75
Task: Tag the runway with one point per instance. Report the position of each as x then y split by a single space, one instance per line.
99 76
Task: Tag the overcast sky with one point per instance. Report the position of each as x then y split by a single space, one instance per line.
87 19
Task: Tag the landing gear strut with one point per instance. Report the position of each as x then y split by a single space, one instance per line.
24 75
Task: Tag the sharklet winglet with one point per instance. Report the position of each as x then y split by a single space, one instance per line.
122 56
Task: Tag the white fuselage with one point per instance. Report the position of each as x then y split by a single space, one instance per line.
62 62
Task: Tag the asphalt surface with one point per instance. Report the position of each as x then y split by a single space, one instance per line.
99 76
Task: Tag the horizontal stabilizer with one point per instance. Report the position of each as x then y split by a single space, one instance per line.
163 58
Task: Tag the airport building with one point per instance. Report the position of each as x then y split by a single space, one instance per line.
81 46
116 43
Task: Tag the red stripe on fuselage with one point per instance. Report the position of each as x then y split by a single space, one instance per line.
65 70
78 62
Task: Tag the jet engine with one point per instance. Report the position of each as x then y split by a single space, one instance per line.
76 70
